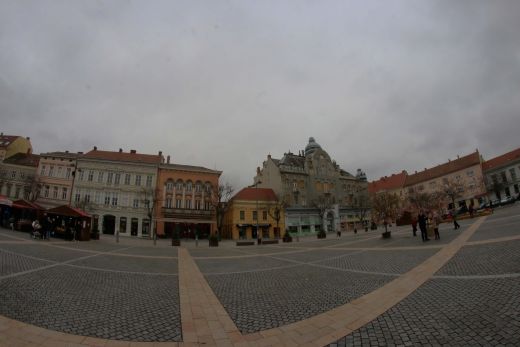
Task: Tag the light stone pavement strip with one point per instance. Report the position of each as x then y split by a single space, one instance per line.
316 331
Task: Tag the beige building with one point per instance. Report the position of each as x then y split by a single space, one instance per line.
115 188
465 172
18 176
319 195
12 144
502 175
55 176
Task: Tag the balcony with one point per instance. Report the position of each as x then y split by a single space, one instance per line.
187 213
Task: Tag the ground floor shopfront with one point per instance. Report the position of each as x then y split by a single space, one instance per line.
125 224
185 229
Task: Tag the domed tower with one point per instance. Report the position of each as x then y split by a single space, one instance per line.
361 175
312 146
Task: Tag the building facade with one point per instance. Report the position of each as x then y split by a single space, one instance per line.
12 144
55 175
502 175
185 200
117 189
317 193
464 172
254 213
18 176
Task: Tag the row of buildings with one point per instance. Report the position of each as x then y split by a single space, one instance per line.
304 193
472 181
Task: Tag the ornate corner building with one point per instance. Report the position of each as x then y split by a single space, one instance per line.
317 193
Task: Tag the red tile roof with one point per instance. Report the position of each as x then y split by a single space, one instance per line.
23 159
6 140
254 194
123 156
395 181
444 169
501 160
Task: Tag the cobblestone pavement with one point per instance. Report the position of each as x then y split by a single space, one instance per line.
266 299
131 290
448 312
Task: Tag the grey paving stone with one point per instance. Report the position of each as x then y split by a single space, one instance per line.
95 303
43 251
12 263
212 266
149 251
450 312
128 263
262 300
485 259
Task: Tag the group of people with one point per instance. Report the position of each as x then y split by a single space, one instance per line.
427 221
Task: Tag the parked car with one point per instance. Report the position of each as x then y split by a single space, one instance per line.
507 200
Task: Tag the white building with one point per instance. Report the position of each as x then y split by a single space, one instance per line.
502 175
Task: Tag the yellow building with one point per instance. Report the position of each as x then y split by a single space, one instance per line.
10 145
254 209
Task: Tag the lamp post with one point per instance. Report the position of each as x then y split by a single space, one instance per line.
257 230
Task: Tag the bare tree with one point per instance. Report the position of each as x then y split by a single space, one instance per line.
275 211
385 207
452 190
150 197
323 203
496 187
362 206
32 188
425 200
219 199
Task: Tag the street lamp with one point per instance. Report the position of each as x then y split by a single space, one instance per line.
257 230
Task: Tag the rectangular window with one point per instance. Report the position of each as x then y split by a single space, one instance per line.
46 192
68 172
178 203
13 174
114 199
189 186
207 205
100 177
110 176
122 225
178 186
107 199
59 171
64 193
188 204
90 176
117 178
169 203
242 215
77 198
137 180
22 174
516 188
169 186
97 197
255 215
81 175
470 173
149 180
503 176
87 197
198 188
197 204
42 171
54 192
51 171
512 172
264 215
136 203
127 179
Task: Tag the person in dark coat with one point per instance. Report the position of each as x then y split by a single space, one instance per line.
422 220
414 226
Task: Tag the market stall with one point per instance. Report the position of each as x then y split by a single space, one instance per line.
5 211
24 213
69 222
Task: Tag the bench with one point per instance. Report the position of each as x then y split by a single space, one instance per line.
245 243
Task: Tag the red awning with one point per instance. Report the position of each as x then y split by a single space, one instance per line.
5 201
66 210
24 204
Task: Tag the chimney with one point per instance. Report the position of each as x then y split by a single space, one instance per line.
160 153
80 152
66 151
120 150
458 156
2 133
133 151
95 148
28 138
167 159
258 170
416 171
269 156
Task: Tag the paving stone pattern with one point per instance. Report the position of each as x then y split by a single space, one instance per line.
95 303
446 312
393 262
212 266
262 300
150 251
43 251
216 252
132 264
314 255
487 259
11 263
497 226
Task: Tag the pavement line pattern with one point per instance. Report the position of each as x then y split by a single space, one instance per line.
203 318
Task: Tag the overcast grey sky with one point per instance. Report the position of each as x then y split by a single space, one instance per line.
381 85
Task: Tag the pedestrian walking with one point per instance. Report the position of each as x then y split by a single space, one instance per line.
436 222
422 220
414 226
454 217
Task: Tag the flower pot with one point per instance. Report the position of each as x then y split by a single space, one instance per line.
386 234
